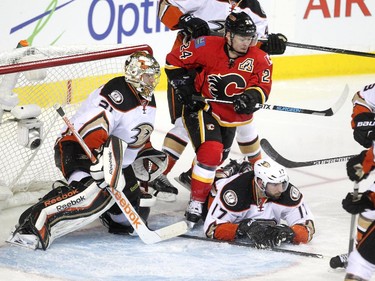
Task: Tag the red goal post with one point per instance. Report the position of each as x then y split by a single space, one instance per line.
36 78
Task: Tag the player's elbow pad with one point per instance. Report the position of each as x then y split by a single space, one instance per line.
303 233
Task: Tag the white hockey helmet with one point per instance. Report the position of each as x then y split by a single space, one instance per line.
270 172
143 72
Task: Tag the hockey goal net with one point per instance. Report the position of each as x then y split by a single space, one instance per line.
32 81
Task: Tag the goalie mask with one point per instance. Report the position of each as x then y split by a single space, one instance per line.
143 72
271 175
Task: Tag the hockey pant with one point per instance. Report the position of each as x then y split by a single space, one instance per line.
211 143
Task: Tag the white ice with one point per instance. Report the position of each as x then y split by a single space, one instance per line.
93 254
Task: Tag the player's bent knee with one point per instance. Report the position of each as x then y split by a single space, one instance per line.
210 153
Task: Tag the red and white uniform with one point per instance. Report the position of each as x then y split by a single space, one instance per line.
238 199
214 12
224 78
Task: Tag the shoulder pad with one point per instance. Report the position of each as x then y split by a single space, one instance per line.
120 95
291 197
236 195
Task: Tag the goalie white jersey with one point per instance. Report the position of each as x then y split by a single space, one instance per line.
114 109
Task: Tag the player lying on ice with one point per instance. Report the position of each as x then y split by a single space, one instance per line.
124 108
254 205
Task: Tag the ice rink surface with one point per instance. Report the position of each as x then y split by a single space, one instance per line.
93 254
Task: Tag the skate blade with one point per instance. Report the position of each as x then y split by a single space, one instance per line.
185 185
165 196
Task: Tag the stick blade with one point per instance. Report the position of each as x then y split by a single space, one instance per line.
340 102
274 155
173 230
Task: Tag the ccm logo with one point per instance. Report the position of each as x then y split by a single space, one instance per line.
365 123
127 208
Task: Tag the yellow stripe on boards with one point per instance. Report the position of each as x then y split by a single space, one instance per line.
311 66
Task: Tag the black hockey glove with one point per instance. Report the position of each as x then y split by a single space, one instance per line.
195 27
261 235
354 167
184 91
275 44
247 101
97 172
360 204
364 129
285 233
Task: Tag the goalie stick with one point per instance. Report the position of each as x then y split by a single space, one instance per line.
114 154
242 244
273 154
327 112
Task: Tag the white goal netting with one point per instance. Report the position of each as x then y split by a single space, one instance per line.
32 81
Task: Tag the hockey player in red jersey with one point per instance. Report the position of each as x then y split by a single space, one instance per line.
196 18
124 108
361 261
229 68
253 204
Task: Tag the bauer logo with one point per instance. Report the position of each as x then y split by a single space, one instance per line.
366 124
116 97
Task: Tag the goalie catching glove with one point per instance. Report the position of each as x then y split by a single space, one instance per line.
263 235
149 164
195 27
364 128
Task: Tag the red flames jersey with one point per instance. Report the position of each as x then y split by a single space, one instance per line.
223 78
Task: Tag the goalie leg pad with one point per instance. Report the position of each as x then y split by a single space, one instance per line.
64 209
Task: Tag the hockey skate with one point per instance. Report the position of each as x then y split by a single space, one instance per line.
233 167
163 189
185 179
193 213
114 227
27 240
340 261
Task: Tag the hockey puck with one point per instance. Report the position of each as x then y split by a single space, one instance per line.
336 262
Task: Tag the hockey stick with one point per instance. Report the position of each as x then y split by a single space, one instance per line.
311 47
342 260
353 220
273 154
113 154
329 49
241 244
327 112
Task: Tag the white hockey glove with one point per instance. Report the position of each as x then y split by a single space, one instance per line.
150 163
97 172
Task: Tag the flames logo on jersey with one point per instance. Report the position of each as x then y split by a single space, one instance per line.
226 85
